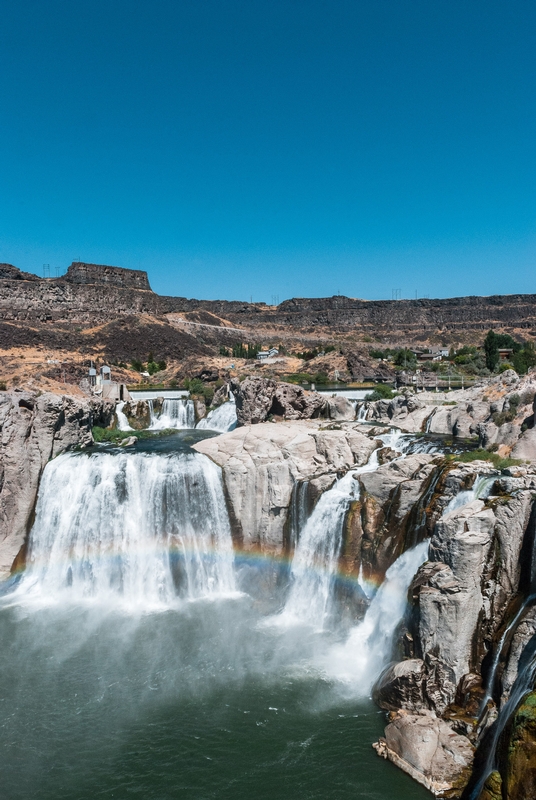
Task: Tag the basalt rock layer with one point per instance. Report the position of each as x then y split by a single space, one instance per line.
91 292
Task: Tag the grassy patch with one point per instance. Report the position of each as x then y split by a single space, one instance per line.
485 455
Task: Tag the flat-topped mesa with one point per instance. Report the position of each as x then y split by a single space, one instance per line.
101 274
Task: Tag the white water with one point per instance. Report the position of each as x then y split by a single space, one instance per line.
315 558
361 659
221 419
362 413
122 421
139 529
481 489
176 413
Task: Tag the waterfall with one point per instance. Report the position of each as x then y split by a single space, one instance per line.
512 625
222 418
315 559
367 651
299 511
362 413
122 421
480 490
175 413
141 528
523 684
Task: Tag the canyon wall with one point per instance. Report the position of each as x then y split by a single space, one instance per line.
92 293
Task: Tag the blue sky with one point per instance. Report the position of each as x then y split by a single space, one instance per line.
273 148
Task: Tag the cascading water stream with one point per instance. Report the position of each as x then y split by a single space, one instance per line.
362 413
176 413
523 684
480 491
299 511
221 419
361 659
315 558
140 529
512 625
122 421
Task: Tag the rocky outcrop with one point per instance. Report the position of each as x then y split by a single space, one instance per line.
389 516
340 409
496 413
261 464
430 751
82 273
363 368
463 598
257 399
138 413
34 429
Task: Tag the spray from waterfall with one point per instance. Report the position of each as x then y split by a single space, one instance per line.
140 529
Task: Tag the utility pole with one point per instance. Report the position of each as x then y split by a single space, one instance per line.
46 270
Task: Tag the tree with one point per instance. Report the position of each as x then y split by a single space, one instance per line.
491 349
404 358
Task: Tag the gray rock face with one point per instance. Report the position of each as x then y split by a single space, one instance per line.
451 600
258 398
35 429
430 751
340 409
402 686
262 463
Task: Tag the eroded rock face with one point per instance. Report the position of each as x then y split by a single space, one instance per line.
35 428
389 517
138 414
262 463
430 751
258 398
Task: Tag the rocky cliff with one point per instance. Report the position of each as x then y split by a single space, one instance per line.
92 292
34 429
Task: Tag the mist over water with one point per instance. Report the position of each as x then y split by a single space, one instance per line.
133 665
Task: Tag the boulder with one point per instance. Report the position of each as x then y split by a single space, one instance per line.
258 398
525 447
402 686
341 409
430 751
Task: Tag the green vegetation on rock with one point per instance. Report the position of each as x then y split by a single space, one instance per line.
485 455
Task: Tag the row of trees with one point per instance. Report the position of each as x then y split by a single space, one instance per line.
523 355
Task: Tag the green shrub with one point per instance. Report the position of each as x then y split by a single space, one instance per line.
3 386
136 365
380 392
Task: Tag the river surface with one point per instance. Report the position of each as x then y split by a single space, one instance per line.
180 685
196 702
